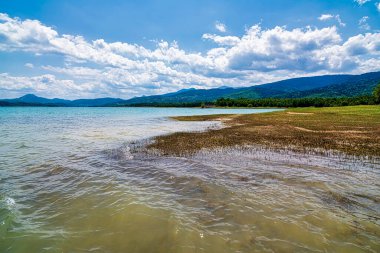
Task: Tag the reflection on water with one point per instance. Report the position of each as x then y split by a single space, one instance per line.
65 189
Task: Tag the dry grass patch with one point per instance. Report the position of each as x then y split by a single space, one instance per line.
352 130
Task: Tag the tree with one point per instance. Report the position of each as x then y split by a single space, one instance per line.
376 94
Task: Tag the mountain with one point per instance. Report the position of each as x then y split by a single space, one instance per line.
304 87
33 100
184 96
317 86
95 102
354 86
285 87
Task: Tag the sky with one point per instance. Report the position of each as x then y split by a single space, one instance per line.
91 48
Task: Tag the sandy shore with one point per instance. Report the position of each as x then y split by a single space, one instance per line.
349 130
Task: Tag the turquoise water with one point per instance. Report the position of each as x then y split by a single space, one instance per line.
72 180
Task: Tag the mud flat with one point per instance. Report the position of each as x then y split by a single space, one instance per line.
348 130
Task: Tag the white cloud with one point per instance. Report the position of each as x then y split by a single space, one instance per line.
340 22
29 65
125 70
363 23
378 6
220 27
222 40
281 49
325 17
45 85
361 2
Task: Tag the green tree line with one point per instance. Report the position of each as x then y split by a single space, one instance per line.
295 102
302 102
278 102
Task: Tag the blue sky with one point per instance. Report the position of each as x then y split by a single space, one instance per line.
84 48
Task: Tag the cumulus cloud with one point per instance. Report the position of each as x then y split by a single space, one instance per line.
280 49
220 27
29 65
378 6
46 84
100 68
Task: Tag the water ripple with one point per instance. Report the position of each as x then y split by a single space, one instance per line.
86 189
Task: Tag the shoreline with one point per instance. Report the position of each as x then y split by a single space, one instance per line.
351 130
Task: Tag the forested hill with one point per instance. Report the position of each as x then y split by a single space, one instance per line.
319 86
328 86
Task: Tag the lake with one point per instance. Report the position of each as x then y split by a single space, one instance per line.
78 180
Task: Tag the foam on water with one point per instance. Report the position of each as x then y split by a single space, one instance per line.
9 202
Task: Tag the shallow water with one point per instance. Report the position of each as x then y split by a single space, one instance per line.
76 180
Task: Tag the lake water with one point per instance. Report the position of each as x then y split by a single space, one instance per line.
74 180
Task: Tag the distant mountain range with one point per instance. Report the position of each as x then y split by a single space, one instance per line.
33 100
304 87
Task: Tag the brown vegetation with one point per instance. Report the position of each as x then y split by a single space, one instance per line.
351 130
